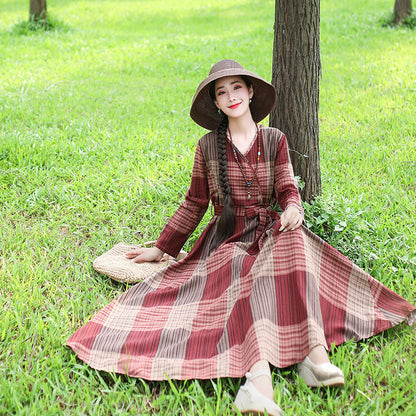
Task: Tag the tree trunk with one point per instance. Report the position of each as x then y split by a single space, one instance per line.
37 9
296 71
402 9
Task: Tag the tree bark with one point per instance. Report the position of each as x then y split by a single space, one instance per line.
402 9
296 71
37 9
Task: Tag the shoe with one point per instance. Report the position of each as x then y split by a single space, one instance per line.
250 400
317 375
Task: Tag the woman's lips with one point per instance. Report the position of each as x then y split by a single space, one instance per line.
234 106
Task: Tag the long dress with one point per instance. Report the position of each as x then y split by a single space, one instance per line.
262 294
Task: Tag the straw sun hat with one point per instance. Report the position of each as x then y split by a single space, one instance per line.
205 113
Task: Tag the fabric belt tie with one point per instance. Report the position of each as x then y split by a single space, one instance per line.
265 215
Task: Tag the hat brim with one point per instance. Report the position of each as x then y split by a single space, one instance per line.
205 113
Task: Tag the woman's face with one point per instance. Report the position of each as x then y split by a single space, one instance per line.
232 96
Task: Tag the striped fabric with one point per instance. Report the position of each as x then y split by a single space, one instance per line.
262 294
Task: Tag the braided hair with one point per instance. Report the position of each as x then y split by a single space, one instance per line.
226 223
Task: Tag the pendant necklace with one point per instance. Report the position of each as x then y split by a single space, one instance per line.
248 182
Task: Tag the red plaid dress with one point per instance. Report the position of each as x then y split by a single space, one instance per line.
262 294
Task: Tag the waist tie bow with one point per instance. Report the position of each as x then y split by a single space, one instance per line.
265 214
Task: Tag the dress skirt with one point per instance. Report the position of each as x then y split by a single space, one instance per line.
262 294
236 309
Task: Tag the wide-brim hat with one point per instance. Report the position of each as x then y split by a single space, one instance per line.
205 113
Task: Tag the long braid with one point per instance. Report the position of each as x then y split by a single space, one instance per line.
222 156
226 224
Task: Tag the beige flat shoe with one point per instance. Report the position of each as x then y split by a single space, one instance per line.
250 400
317 375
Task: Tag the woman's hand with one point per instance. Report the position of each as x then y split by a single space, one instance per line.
140 255
291 218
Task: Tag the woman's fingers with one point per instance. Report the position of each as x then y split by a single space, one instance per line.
286 221
134 253
293 226
136 256
290 220
145 254
290 227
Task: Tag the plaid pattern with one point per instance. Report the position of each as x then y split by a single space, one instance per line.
262 294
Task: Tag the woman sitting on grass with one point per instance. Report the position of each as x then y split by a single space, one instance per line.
257 288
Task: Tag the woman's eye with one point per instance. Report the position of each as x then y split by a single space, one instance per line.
236 87
221 92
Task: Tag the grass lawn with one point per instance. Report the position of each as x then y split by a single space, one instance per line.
96 147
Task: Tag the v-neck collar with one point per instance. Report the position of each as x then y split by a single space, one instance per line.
245 154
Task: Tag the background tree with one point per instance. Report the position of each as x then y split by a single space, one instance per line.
402 9
37 9
296 70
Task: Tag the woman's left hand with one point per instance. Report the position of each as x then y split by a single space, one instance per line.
291 218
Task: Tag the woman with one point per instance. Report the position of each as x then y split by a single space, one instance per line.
256 288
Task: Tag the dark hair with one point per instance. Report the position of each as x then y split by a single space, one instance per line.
226 224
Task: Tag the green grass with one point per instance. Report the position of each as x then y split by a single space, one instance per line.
96 147
27 27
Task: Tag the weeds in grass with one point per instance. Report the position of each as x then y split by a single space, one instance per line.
339 224
33 25
408 22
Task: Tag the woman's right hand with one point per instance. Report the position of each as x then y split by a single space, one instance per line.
140 255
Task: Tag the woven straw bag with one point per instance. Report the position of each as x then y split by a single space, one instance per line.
114 264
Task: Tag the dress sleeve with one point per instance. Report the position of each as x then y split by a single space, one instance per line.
285 183
190 212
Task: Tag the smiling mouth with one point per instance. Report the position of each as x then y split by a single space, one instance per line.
234 106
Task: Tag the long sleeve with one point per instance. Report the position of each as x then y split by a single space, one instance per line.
285 183
190 212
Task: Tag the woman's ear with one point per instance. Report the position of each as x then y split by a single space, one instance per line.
250 92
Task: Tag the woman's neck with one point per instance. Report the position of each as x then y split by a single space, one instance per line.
242 133
242 129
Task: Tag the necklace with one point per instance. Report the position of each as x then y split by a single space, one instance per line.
248 182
